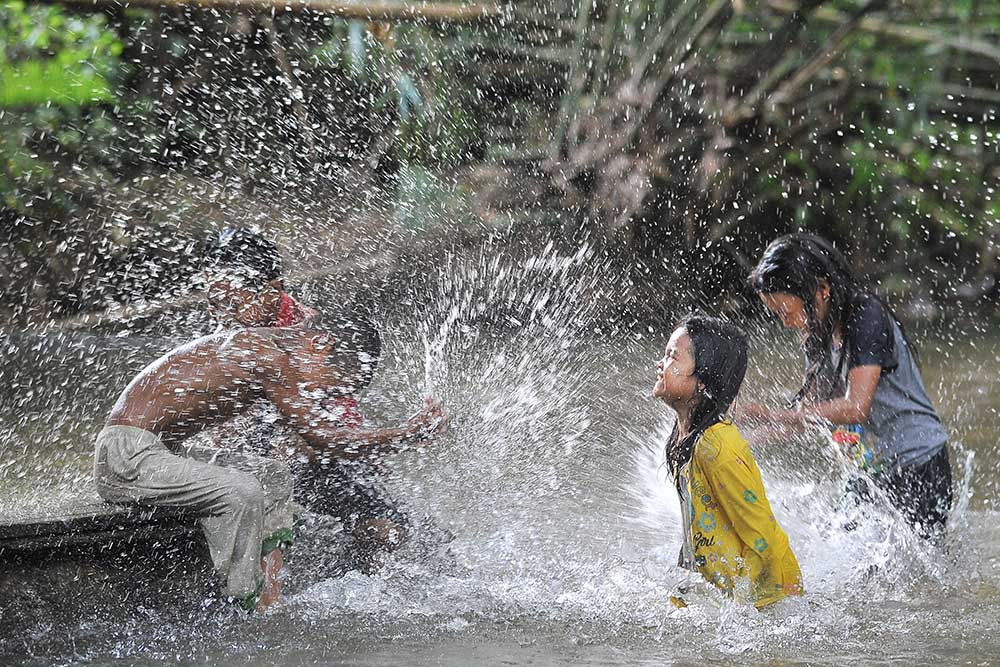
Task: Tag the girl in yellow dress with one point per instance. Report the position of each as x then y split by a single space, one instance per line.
730 533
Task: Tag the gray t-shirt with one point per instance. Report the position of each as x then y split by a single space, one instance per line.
903 429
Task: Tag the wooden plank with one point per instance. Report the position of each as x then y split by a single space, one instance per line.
85 519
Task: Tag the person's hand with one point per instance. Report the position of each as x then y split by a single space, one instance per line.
432 420
311 319
751 411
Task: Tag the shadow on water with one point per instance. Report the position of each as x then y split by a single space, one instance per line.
566 530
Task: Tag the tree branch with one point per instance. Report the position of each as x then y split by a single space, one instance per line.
907 33
384 10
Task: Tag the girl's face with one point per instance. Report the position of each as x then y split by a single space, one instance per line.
788 308
675 380
791 310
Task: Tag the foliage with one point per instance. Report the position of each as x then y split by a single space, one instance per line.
53 66
54 58
711 127
657 125
408 69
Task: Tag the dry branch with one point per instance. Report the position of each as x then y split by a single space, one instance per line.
430 12
577 80
833 47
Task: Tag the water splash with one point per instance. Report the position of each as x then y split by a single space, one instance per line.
566 525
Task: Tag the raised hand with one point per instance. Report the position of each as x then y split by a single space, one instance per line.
432 420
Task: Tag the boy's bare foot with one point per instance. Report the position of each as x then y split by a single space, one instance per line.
271 592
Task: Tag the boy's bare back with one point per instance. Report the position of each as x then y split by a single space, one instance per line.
203 382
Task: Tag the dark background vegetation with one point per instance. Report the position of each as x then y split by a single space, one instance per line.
677 136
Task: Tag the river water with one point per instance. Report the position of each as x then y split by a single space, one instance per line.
565 529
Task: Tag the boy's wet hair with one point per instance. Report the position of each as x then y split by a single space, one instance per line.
245 252
720 364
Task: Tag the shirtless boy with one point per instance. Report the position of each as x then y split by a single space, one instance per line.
207 381
244 288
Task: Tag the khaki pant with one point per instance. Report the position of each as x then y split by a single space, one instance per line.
246 499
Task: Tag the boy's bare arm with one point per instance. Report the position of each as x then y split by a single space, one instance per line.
303 407
305 412
322 432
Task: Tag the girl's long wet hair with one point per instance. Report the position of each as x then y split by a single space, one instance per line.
795 264
720 363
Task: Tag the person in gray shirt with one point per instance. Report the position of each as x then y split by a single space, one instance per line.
862 376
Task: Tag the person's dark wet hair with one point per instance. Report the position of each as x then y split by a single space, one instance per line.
245 252
355 346
356 337
796 264
720 364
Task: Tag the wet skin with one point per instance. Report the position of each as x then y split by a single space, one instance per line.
233 300
862 381
216 377
676 384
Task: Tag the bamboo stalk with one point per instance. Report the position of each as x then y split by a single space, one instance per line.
517 53
832 48
577 80
906 33
771 56
714 19
665 37
604 53
295 93
384 10
769 64
673 66
988 98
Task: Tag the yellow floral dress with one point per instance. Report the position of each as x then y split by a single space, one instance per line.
730 532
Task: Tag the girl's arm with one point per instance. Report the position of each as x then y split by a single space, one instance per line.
853 408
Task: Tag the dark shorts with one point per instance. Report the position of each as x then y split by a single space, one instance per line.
922 493
351 491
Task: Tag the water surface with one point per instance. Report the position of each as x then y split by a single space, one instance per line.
566 531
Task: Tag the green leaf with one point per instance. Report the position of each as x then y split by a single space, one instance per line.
64 81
